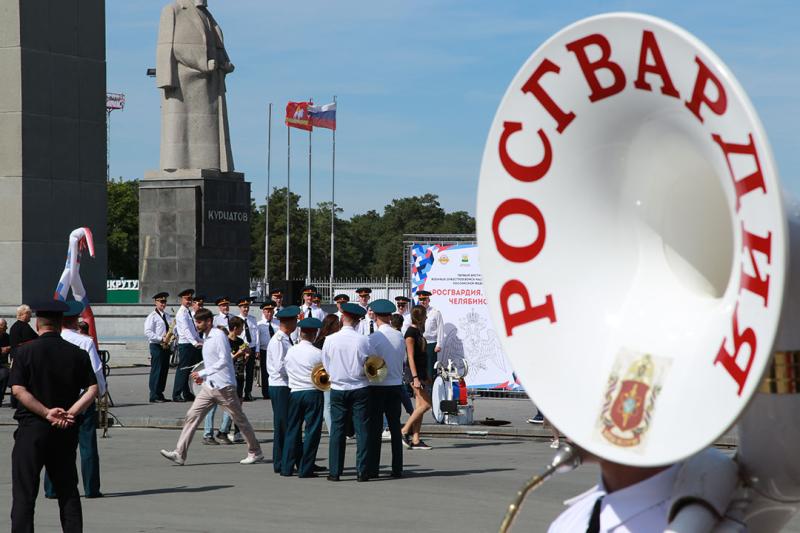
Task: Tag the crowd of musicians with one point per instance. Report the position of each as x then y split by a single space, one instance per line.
353 370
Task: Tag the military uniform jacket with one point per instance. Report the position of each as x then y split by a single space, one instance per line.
184 326
640 507
53 371
264 334
278 345
344 354
154 326
316 312
300 361
252 327
221 320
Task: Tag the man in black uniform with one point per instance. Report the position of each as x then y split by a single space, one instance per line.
47 379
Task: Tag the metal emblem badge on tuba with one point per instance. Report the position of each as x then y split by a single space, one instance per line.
636 252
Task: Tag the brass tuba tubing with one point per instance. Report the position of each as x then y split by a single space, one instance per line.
567 458
320 378
375 369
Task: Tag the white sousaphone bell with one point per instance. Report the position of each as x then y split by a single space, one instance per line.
637 254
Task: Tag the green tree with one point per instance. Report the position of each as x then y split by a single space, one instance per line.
123 228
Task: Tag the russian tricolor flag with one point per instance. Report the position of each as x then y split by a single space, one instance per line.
323 116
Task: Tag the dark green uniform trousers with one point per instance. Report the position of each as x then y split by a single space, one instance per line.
279 396
304 406
349 404
385 401
90 461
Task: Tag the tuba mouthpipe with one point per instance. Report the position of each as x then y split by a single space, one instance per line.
566 459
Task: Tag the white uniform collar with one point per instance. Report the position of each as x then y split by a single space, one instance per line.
623 505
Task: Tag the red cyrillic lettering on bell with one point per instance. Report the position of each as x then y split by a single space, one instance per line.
740 338
523 172
658 67
590 68
699 96
518 206
748 183
755 243
533 87
529 313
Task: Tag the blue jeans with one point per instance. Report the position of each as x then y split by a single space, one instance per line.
208 426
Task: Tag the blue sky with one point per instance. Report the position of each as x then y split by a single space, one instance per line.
417 84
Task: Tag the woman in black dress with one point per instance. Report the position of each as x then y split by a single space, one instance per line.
420 380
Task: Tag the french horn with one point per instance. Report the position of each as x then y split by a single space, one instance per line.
637 251
320 378
375 368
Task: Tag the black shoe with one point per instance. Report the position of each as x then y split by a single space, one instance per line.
406 440
248 397
210 441
179 400
154 401
318 468
92 496
165 400
361 478
312 474
189 398
333 478
287 475
397 475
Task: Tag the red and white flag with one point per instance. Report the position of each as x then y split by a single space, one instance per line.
297 115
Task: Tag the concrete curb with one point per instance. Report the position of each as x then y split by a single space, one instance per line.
476 430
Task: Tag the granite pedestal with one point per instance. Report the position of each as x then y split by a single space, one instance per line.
194 232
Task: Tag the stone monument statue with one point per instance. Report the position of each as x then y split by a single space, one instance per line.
194 210
191 65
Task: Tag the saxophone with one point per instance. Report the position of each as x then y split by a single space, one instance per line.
169 338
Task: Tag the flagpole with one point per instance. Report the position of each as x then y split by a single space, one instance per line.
308 256
288 196
266 207
333 199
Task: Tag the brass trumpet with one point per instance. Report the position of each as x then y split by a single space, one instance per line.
320 378
375 368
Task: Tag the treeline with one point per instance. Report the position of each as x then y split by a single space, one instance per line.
368 244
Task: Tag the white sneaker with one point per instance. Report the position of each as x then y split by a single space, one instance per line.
173 456
251 458
555 444
386 435
231 438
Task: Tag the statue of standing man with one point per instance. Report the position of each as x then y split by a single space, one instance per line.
191 65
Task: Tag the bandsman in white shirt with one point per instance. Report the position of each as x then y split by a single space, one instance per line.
367 325
156 326
224 308
276 295
404 310
305 403
277 348
218 379
87 430
627 498
434 330
249 335
340 299
309 308
190 346
386 396
344 354
267 327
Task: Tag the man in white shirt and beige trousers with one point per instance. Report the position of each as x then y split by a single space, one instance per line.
219 387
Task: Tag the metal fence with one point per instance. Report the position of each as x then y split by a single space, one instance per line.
381 287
